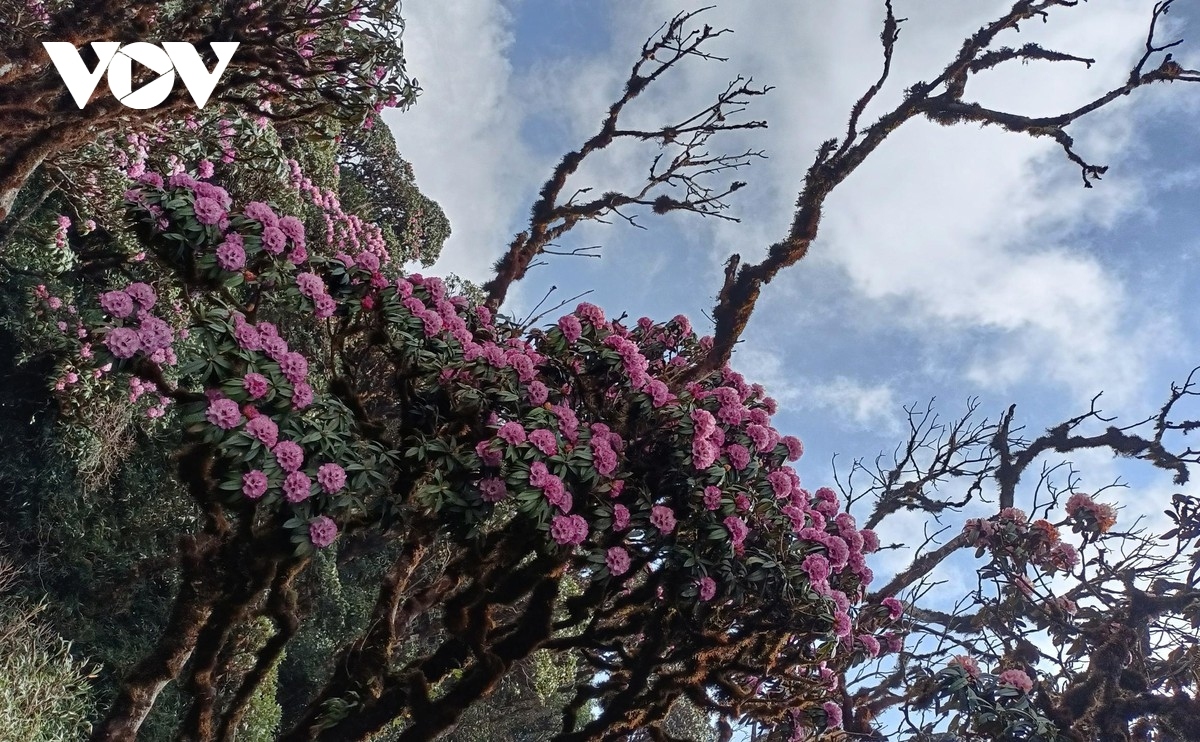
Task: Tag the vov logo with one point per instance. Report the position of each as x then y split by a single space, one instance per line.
171 57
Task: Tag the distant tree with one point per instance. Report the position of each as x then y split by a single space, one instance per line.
379 185
309 60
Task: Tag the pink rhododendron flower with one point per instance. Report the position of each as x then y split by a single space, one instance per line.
487 455
254 484
712 497
117 303
568 529
247 337
322 531
223 413
816 567
617 561
572 330
274 346
795 449
1016 679
591 313
620 517
263 429
231 257
289 455
662 518
511 433
967 663
870 541
296 486
737 529
331 477
492 489
870 644
302 395
325 306
833 714
310 285
739 456
262 212
544 440
142 293
294 367
895 608
208 210
122 342
707 588
256 385
274 240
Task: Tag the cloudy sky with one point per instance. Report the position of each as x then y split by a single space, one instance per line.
956 262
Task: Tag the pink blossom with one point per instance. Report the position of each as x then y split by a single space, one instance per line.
833 714
302 395
795 449
571 329
264 430
289 455
662 518
707 588
208 211
231 257
487 455
591 313
1016 679
292 227
545 441
256 385
816 567
274 346
617 561
492 489
512 433
117 303
895 608
967 663
142 293
712 497
331 477
870 643
262 212
296 486
870 541
310 285
223 413
620 517
122 342
322 531
325 306
274 240
568 529
254 484
738 531
538 393
739 456
294 367
247 336
603 456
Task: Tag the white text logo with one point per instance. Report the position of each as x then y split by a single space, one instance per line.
172 57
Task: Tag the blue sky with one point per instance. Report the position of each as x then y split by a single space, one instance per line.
955 262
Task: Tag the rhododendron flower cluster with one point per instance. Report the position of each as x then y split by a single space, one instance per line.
579 428
1012 538
1087 513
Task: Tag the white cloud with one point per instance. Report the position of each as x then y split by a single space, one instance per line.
463 133
972 229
